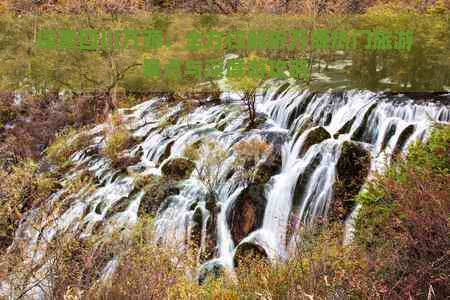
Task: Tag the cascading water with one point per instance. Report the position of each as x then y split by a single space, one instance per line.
299 194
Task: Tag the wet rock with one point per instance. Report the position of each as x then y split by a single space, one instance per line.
307 124
270 167
166 153
196 229
358 134
247 252
406 133
212 269
345 128
247 212
193 205
221 127
156 189
315 136
300 109
99 207
352 169
178 168
211 227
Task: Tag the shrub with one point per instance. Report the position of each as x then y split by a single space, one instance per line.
68 267
248 154
67 143
117 140
403 223
210 156
20 190
145 271
167 121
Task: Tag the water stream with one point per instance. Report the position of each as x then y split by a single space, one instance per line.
382 126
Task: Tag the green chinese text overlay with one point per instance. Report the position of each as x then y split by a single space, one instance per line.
199 53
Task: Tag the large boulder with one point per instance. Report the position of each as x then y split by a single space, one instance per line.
315 136
247 212
177 168
352 169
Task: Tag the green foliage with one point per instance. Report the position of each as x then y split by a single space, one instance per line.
403 221
435 153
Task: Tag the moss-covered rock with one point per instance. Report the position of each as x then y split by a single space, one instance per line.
247 212
315 136
352 169
156 189
119 206
116 141
177 168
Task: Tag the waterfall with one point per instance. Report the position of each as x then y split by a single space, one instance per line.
298 195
